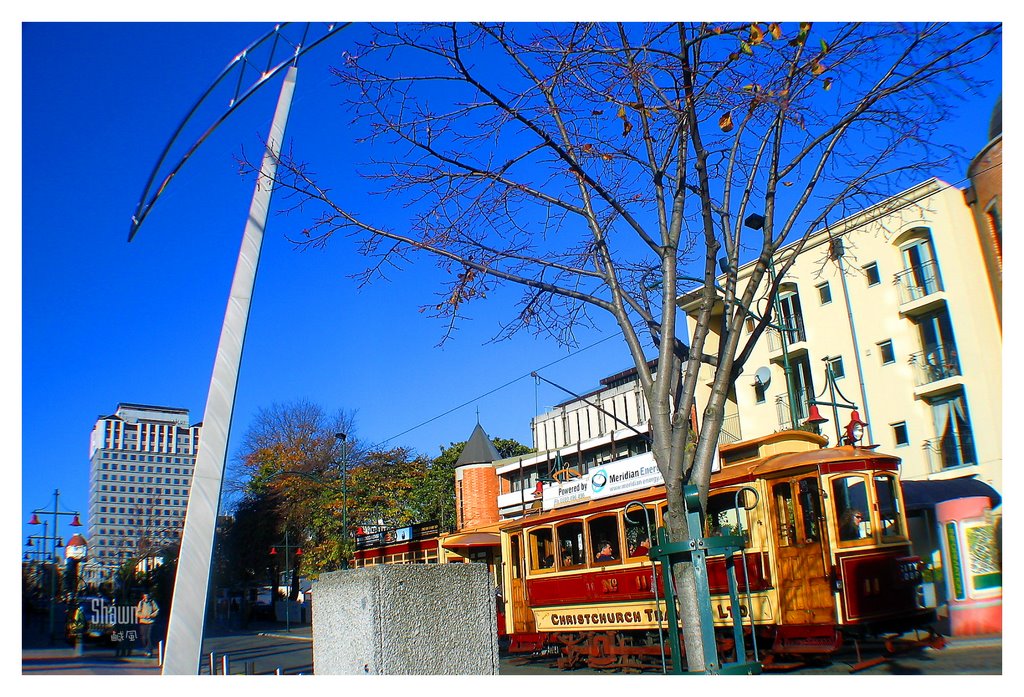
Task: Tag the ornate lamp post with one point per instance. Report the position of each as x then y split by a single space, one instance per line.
288 575
56 513
853 432
344 495
42 558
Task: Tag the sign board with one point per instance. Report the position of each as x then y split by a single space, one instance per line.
611 479
639 615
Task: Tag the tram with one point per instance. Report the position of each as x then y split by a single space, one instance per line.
826 558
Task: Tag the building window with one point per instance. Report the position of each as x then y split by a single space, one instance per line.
824 293
954 442
900 434
995 225
837 367
760 390
920 276
886 352
872 274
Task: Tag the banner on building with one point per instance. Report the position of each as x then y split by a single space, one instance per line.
611 479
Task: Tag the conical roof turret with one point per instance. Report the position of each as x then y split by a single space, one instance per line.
478 450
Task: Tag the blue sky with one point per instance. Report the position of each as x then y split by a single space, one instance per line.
104 321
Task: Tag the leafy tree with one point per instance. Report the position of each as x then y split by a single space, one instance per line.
605 169
243 545
382 487
291 476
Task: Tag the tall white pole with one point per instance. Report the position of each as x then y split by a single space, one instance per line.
191 586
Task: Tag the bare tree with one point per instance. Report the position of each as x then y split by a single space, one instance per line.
610 167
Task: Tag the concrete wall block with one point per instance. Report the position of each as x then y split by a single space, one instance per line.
412 619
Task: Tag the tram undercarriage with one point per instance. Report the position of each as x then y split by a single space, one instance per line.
792 648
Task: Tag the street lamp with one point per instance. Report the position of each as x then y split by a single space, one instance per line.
288 575
344 495
39 557
853 432
56 513
755 221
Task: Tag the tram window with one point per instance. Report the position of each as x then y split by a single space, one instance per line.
515 558
638 543
722 520
850 498
542 549
571 552
810 508
662 515
888 506
604 530
786 512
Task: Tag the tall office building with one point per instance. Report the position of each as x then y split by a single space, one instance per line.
141 463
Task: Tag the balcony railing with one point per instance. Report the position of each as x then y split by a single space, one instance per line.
793 336
952 450
782 410
730 430
919 281
934 364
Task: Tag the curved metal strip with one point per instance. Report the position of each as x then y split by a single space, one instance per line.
239 64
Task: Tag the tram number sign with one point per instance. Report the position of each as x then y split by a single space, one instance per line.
611 585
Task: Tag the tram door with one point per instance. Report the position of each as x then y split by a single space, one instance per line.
805 595
523 621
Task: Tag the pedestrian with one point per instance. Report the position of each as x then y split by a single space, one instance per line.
145 613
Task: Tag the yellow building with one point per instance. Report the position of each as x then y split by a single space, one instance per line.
910 331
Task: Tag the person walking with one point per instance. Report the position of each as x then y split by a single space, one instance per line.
145 613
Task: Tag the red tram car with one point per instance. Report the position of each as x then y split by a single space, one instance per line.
827 557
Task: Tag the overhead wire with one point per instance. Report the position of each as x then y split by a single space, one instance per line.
500 387
572 354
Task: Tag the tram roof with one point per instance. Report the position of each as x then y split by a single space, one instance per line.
828 459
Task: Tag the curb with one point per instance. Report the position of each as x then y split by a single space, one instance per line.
954 642
285 636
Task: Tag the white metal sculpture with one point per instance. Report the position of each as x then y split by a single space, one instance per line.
185 626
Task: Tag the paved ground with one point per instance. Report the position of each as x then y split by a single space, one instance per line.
260 649
265 649
39 656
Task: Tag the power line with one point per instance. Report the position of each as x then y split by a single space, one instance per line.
500 387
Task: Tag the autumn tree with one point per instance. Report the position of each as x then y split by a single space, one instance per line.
605 170
291 469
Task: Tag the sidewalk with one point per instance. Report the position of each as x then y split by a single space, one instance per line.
96 660
267 645
40 657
